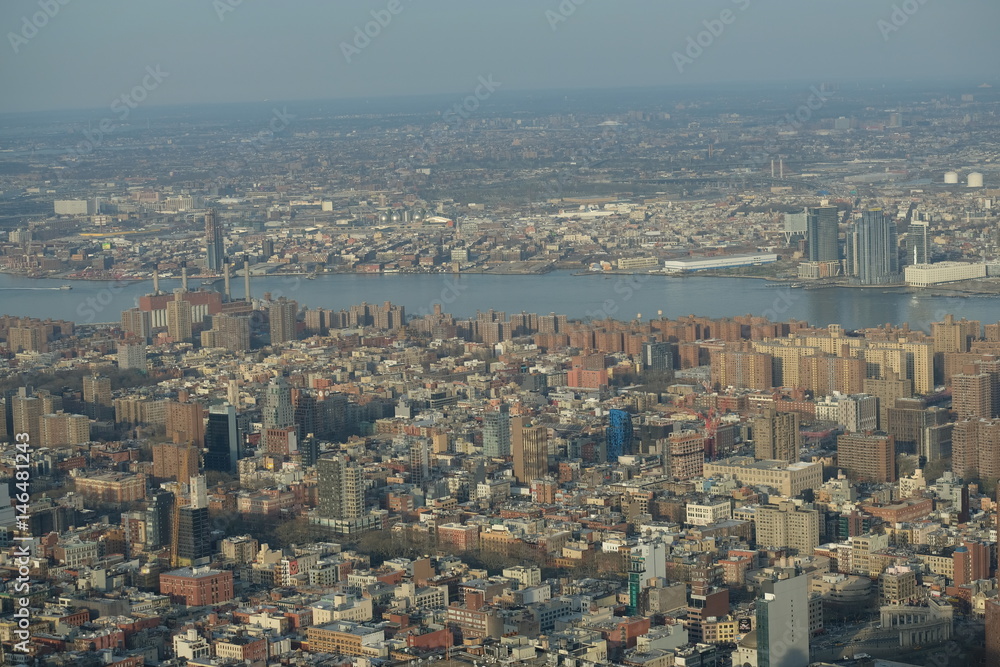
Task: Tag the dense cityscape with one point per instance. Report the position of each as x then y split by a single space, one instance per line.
685 376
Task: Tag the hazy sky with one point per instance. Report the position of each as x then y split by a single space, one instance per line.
91 52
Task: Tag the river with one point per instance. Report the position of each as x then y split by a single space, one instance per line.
579 297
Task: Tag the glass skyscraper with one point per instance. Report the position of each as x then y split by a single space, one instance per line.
822 232
872 253
619 434
222 439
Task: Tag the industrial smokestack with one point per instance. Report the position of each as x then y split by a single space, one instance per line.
772 168
246 278
184 276
225 269
156 281
781 162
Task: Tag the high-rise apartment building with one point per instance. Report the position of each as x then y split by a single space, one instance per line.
972 396
27 412
496 432
822 232
180 324
278 411
867 456
61 429
282 320
179 462
975 448
530 447
215 249
340 488
787 525
918 242
186 423
776 436
132 356
657 356
872 250
97 401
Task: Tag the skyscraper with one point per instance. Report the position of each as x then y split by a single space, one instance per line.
132 356
619 434
159 514
176 461
136 323
872 254
339 488
282 320
27 411
822 232
530 447
97 397
783 623
918 242
278 411
231 332
972 396
776 436
223 439
657 356
213 240
420 460
194 539
185 423
496 432
179 318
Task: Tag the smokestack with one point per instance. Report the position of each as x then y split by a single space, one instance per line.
225 268
781 163
184 276
246 278
156 281
772 168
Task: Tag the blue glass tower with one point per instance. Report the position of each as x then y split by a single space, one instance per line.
619 434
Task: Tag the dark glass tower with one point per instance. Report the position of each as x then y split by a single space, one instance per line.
222 439
619 434
822 232
213 240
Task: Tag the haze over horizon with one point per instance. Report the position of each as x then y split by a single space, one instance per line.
226 51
